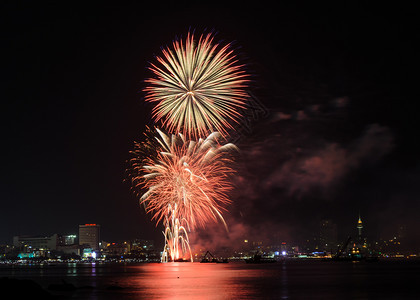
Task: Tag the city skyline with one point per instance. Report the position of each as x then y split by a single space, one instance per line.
88 245
339 128
323 238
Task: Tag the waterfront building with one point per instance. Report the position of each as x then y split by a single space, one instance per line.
67 250
36 242
143 245
89 235
67 240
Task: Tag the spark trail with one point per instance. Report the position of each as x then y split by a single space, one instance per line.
185 182
198 87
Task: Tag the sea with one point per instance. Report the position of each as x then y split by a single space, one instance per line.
289 279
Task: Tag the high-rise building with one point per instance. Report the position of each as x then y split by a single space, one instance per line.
89 235
66 240
360 247
327 235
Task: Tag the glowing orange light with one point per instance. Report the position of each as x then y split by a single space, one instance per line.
187 184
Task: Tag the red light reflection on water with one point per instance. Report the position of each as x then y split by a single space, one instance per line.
189 281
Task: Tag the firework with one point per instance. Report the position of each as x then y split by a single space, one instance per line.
185 183
198 87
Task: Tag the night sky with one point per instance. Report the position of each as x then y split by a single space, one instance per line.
337 137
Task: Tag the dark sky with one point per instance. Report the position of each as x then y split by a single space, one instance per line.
339 135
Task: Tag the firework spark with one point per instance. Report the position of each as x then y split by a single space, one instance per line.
198 87
186 184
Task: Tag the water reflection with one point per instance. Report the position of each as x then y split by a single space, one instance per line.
198 281
235 280
284 282
71 269
185 281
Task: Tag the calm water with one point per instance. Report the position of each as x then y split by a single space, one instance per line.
236 280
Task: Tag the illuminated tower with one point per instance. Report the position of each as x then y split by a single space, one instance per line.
360 227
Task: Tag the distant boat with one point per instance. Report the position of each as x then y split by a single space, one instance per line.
181 260
206 260
259 259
